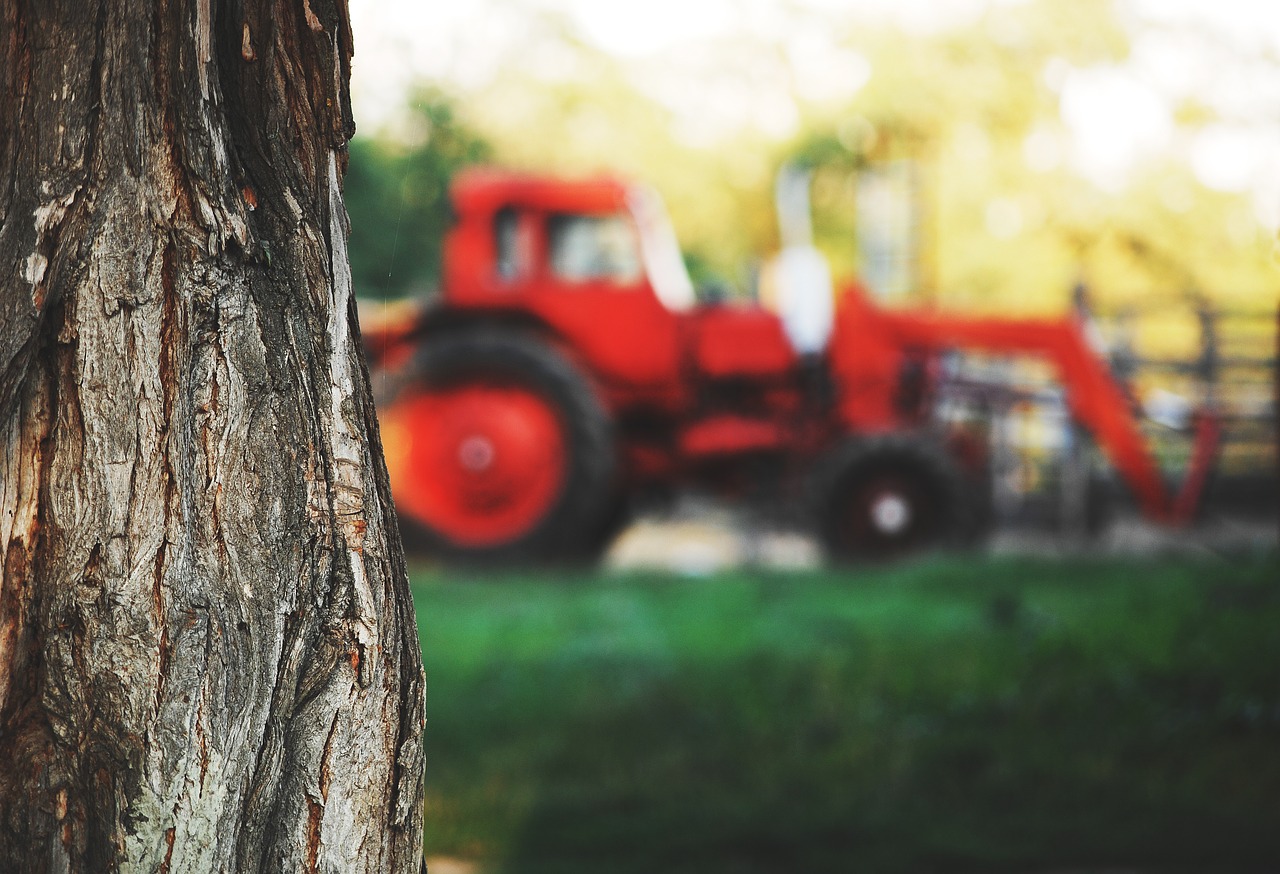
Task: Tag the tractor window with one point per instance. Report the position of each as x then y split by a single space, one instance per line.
587 247
512 244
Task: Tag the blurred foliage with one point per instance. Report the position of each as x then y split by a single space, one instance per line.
1006 715
1007 221
1013 229
396 193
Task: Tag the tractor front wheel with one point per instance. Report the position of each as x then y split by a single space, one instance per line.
498 450
890 496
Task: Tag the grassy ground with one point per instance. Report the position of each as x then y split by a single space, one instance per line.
984 715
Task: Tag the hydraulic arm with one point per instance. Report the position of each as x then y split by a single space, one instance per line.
1095 398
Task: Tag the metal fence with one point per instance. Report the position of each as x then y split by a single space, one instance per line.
1177 356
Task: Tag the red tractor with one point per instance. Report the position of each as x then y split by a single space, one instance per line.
566 367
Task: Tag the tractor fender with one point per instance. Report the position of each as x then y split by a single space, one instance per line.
437 321
441 322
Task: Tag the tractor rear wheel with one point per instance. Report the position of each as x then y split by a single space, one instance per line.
498 450
890 496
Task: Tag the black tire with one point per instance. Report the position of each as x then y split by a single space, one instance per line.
1100 510
597 538
571 524
886 497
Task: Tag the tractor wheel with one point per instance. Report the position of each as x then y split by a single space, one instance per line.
498 451
889 496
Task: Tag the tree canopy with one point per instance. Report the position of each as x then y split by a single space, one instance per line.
1008 217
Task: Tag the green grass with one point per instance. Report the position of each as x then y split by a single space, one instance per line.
984 715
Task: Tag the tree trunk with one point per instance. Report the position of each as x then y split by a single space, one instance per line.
208 659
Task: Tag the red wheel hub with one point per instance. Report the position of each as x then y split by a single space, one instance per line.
481 464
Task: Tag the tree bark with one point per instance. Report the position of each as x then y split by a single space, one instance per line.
208 657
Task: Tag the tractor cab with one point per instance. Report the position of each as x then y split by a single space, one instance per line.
597 263
518 234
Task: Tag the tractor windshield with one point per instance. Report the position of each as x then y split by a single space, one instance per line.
584 248
660 250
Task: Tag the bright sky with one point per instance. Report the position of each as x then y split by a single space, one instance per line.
1212 50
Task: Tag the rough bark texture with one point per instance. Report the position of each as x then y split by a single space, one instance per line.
208 659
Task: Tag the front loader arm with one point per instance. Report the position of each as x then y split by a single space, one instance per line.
1094 397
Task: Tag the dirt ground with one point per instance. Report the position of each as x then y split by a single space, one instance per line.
698 537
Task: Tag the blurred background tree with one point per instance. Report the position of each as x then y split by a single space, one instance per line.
1017 120
397 194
